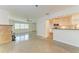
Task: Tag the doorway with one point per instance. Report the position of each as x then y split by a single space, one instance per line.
49 30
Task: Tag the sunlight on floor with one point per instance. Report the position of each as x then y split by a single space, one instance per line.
22 37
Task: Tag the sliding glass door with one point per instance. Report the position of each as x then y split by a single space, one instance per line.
21 31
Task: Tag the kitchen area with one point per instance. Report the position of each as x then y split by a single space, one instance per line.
65 29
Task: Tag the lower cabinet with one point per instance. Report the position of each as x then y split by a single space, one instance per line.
5 34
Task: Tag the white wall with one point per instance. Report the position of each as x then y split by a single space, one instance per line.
42 20
4 17
41 26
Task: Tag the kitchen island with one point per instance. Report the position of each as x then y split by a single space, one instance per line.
68 36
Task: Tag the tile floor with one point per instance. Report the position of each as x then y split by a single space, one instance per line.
31 43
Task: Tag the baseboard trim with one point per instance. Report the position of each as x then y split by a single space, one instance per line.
62 43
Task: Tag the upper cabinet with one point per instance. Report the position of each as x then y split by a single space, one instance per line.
66 22
75 19
63 20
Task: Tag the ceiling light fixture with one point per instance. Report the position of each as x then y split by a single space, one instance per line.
36 5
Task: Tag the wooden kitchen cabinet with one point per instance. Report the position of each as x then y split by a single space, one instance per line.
5 34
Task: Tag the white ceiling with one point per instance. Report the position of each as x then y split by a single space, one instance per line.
30 11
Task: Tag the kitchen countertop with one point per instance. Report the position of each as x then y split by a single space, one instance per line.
64 29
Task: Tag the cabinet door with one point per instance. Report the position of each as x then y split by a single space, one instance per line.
5 34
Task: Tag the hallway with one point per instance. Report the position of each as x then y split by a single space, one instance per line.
32 44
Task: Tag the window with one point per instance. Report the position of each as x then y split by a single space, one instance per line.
21 26
27 26
17 26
